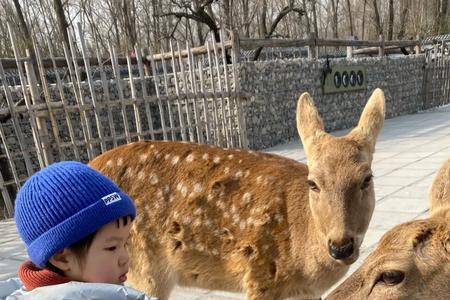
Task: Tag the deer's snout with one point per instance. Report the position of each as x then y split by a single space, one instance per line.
342 249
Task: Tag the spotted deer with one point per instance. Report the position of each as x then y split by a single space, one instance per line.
412 260
238 220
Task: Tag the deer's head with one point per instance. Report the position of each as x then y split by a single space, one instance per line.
412 261
341 195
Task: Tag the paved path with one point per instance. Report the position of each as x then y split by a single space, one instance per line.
409 151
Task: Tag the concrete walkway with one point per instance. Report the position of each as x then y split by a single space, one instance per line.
409 151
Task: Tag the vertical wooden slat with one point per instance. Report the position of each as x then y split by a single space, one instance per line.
218 134
87 67
16 123
105 86
227 85
222 96
137 117
177 91
186 98
145 96
75 88
115 65
166 89
76 80
243 141
6 197
40 121
197 118
23 83
12 165
47 98
205 103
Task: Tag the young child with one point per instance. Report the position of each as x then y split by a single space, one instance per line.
75 223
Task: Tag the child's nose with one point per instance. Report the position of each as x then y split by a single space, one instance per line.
123 258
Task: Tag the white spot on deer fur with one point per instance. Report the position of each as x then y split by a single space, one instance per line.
198 188
197 223
153 179
216 159
259 179
210 197
175 160
198 211
221 204
166 189
184 191
233 209
208 223
120 162
246 198
160 194
141 175
265 247
157 154
205 156
239 174
200 247
250 221
167 156
242 224
240 161
152 146
179 186
230 156
215 252
190 158
171 198
247 173
279 218
143 157
109 164
129 172
226 215
176 215
226 170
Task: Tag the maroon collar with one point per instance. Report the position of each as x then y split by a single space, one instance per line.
33 277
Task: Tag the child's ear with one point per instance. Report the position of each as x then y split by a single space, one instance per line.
63 260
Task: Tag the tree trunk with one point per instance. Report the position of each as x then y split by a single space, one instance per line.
314 13
376 17
363 20
350 18
391 20
62 22
403 18
442 17
308 25
334 8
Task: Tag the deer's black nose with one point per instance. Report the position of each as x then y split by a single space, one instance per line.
341 250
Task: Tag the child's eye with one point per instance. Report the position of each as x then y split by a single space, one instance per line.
111 248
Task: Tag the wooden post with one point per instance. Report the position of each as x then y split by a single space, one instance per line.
312 48
235 46
417 47
381 48
350 48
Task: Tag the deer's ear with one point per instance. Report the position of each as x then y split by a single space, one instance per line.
309 124
371 121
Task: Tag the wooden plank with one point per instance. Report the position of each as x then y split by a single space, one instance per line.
186 99
218 133
145 94
16 124
91 87
12 165
74 85
197 117
78 83
166 89
47 98
228 89
6 197
36 138
105 87
118 81
137 117
243 141
177 91
205 105
222 96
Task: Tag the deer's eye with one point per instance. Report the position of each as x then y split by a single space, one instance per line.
313 186
391 277
366 181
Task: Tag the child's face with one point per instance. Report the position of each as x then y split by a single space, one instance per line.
106 260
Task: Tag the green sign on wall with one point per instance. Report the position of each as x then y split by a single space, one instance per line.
345 79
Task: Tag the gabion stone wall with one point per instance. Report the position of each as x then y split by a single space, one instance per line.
274 87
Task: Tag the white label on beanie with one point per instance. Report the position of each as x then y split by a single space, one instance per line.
111 198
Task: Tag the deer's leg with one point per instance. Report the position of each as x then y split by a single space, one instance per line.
259 281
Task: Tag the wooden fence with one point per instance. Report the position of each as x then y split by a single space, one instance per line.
436 85
187 94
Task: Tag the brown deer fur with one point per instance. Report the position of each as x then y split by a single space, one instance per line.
419 252
240 220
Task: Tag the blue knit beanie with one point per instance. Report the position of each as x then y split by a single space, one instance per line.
64 203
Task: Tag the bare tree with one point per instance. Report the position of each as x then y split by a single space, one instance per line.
442 22
403 16
334 8
377 19
391 20
350 18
